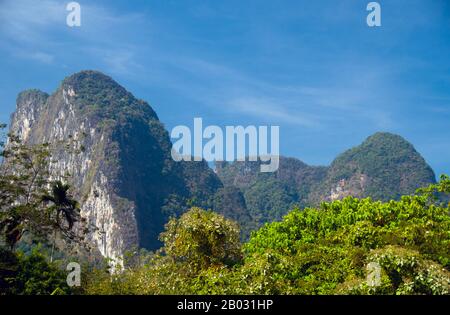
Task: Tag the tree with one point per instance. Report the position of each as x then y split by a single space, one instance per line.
30 274
29 201
62 206
440 190
200 249
202 239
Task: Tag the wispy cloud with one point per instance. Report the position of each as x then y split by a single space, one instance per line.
271 110
25 21
359 94
37 26
330 75
34 28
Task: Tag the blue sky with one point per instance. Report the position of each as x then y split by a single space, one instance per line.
312 67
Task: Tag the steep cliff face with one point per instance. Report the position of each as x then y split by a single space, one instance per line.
30 104
124 176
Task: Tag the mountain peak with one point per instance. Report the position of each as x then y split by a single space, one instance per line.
386 137
385 166
31 96
95 92
87 75
91 81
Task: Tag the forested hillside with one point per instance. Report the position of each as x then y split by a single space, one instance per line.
384 167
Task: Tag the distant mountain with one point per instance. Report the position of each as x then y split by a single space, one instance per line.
384 167
269 196
128 185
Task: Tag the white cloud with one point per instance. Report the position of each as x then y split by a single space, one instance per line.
25 20
271 110
37 26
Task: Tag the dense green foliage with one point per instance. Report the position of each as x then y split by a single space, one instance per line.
196 246
30 274
325 250
202 239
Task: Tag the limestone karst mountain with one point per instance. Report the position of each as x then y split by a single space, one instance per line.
125 179
128 185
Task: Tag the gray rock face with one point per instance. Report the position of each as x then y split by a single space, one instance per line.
124 174
41 118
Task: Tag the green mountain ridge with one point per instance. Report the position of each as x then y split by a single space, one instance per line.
384 167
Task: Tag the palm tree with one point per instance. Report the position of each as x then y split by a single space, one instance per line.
63 207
